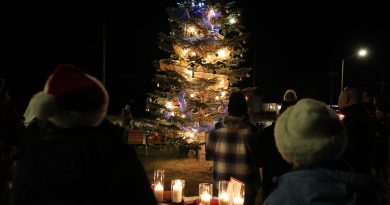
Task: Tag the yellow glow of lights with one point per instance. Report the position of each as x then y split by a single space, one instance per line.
183 70
191 31
223 93
222 83
172 114
191 134
185 51
192 95
188 73
217 97
169 105
232 21
246 98
223 53
183 116
193 54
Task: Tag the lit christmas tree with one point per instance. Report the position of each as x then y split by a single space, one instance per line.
206 46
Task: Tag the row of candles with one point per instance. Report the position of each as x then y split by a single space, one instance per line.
228 193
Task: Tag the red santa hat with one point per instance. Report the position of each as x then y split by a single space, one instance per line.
71 98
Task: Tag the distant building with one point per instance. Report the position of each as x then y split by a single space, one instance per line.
270 107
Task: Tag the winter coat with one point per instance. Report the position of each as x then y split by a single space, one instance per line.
326 185
233 150
272 162
86 165
361 134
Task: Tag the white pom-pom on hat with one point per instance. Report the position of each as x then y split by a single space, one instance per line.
44 105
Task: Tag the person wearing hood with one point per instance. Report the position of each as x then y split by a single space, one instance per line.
310 136
232 148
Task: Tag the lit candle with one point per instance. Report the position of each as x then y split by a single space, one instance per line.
238 201
205 198
223 199
177 192
159 192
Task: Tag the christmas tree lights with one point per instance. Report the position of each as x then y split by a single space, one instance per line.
206 46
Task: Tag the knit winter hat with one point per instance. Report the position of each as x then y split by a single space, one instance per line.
71 98
309 132
237 104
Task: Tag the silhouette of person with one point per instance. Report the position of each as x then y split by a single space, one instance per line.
233 148
127 119
360 131
368 104
72 154
11 132
380 157
310 135
273 165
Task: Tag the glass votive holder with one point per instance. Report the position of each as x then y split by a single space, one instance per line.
223 194
205 193
177 188
159 184
159 175
238 194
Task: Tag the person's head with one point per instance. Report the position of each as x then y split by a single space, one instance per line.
309 132
71 98
237 104
127 107
348 97
289 98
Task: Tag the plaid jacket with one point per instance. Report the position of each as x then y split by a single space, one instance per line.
234 153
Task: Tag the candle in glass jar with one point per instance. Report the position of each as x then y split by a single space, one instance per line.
159 192
238 201
205 198
177 191
223 199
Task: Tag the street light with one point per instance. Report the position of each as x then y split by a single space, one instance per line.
361 53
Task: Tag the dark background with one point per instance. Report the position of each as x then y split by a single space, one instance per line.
291 46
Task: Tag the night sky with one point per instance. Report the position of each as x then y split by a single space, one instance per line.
291 46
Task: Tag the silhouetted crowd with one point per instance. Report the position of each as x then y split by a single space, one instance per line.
63 150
